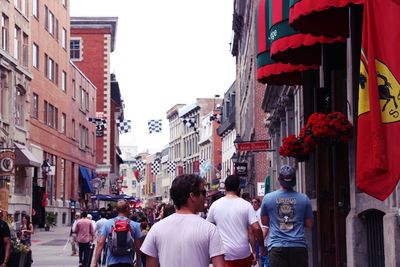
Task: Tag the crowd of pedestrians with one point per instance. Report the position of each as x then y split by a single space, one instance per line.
234 233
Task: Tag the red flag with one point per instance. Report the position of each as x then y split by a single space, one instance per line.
378 153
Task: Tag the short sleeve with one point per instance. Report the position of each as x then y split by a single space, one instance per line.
149 246
264 210
210 215
252 215
137 233
216 245
308 213
4 230
105 230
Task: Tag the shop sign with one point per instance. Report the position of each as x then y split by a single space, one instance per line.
241 168
254 146
7 159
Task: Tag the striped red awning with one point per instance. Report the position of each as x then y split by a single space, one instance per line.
269 71
289 45
328 18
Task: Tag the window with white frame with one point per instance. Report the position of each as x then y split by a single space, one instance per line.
62 180
73 89
51 23
25 50
35 55
4 32
35 8
17 42
19 107
35 106
73 129
75 49
64 81
83 101
64 38
63 123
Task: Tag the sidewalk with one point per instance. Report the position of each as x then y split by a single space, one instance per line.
48 248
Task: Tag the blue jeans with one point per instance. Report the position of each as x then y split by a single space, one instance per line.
264 261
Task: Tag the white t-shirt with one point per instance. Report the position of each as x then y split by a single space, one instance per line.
182 240
233 217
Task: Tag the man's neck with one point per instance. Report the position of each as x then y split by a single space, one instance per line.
231 194
185 210
287 188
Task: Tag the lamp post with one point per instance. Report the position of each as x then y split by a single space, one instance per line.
45 172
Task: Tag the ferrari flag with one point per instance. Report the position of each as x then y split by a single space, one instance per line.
378 141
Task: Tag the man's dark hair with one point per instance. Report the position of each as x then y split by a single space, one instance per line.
182 186
84 214
103 213
232 183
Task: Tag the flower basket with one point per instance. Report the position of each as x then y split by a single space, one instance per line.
319 129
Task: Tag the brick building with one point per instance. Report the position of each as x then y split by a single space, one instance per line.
92 42
62 98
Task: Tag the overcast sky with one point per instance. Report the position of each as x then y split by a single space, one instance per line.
166 52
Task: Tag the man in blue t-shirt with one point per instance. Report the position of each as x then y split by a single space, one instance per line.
119 261
287 212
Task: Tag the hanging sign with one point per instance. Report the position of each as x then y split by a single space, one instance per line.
263 145
241 168
7 159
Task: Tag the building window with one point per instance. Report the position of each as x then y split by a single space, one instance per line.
4 32
45 107
17 41
56 34
73 89
23 7
19 108
52 116
64 81
35 8
64 3
73 129
55 73
51 23
83 137
93 142
35 106
64 38
63 123
35 55
62 180
82 94
75 49
87 101
25 50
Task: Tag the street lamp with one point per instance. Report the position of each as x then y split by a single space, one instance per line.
237 141
45 172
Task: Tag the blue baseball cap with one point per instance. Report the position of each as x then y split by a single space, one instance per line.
287 176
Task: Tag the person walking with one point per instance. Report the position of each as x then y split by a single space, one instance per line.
233 216
99 226
287 212
84 235
184 238
262 260
5 242
123 239
72 234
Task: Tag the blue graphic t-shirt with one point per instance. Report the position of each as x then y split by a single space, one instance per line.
106 230
287 211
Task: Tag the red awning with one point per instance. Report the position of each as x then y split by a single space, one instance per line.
269 71
289 45
328 18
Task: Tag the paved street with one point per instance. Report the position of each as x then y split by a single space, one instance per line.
48 248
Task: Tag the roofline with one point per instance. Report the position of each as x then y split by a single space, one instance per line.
97 23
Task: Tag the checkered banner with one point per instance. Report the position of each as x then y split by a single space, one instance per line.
101 124
155 126
171 166
189 122
124 126
139 165
155 167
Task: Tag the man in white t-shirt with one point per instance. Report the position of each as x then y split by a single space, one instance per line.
184 238
233 216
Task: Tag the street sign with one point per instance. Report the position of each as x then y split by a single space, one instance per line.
263 145
241 168
7 159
